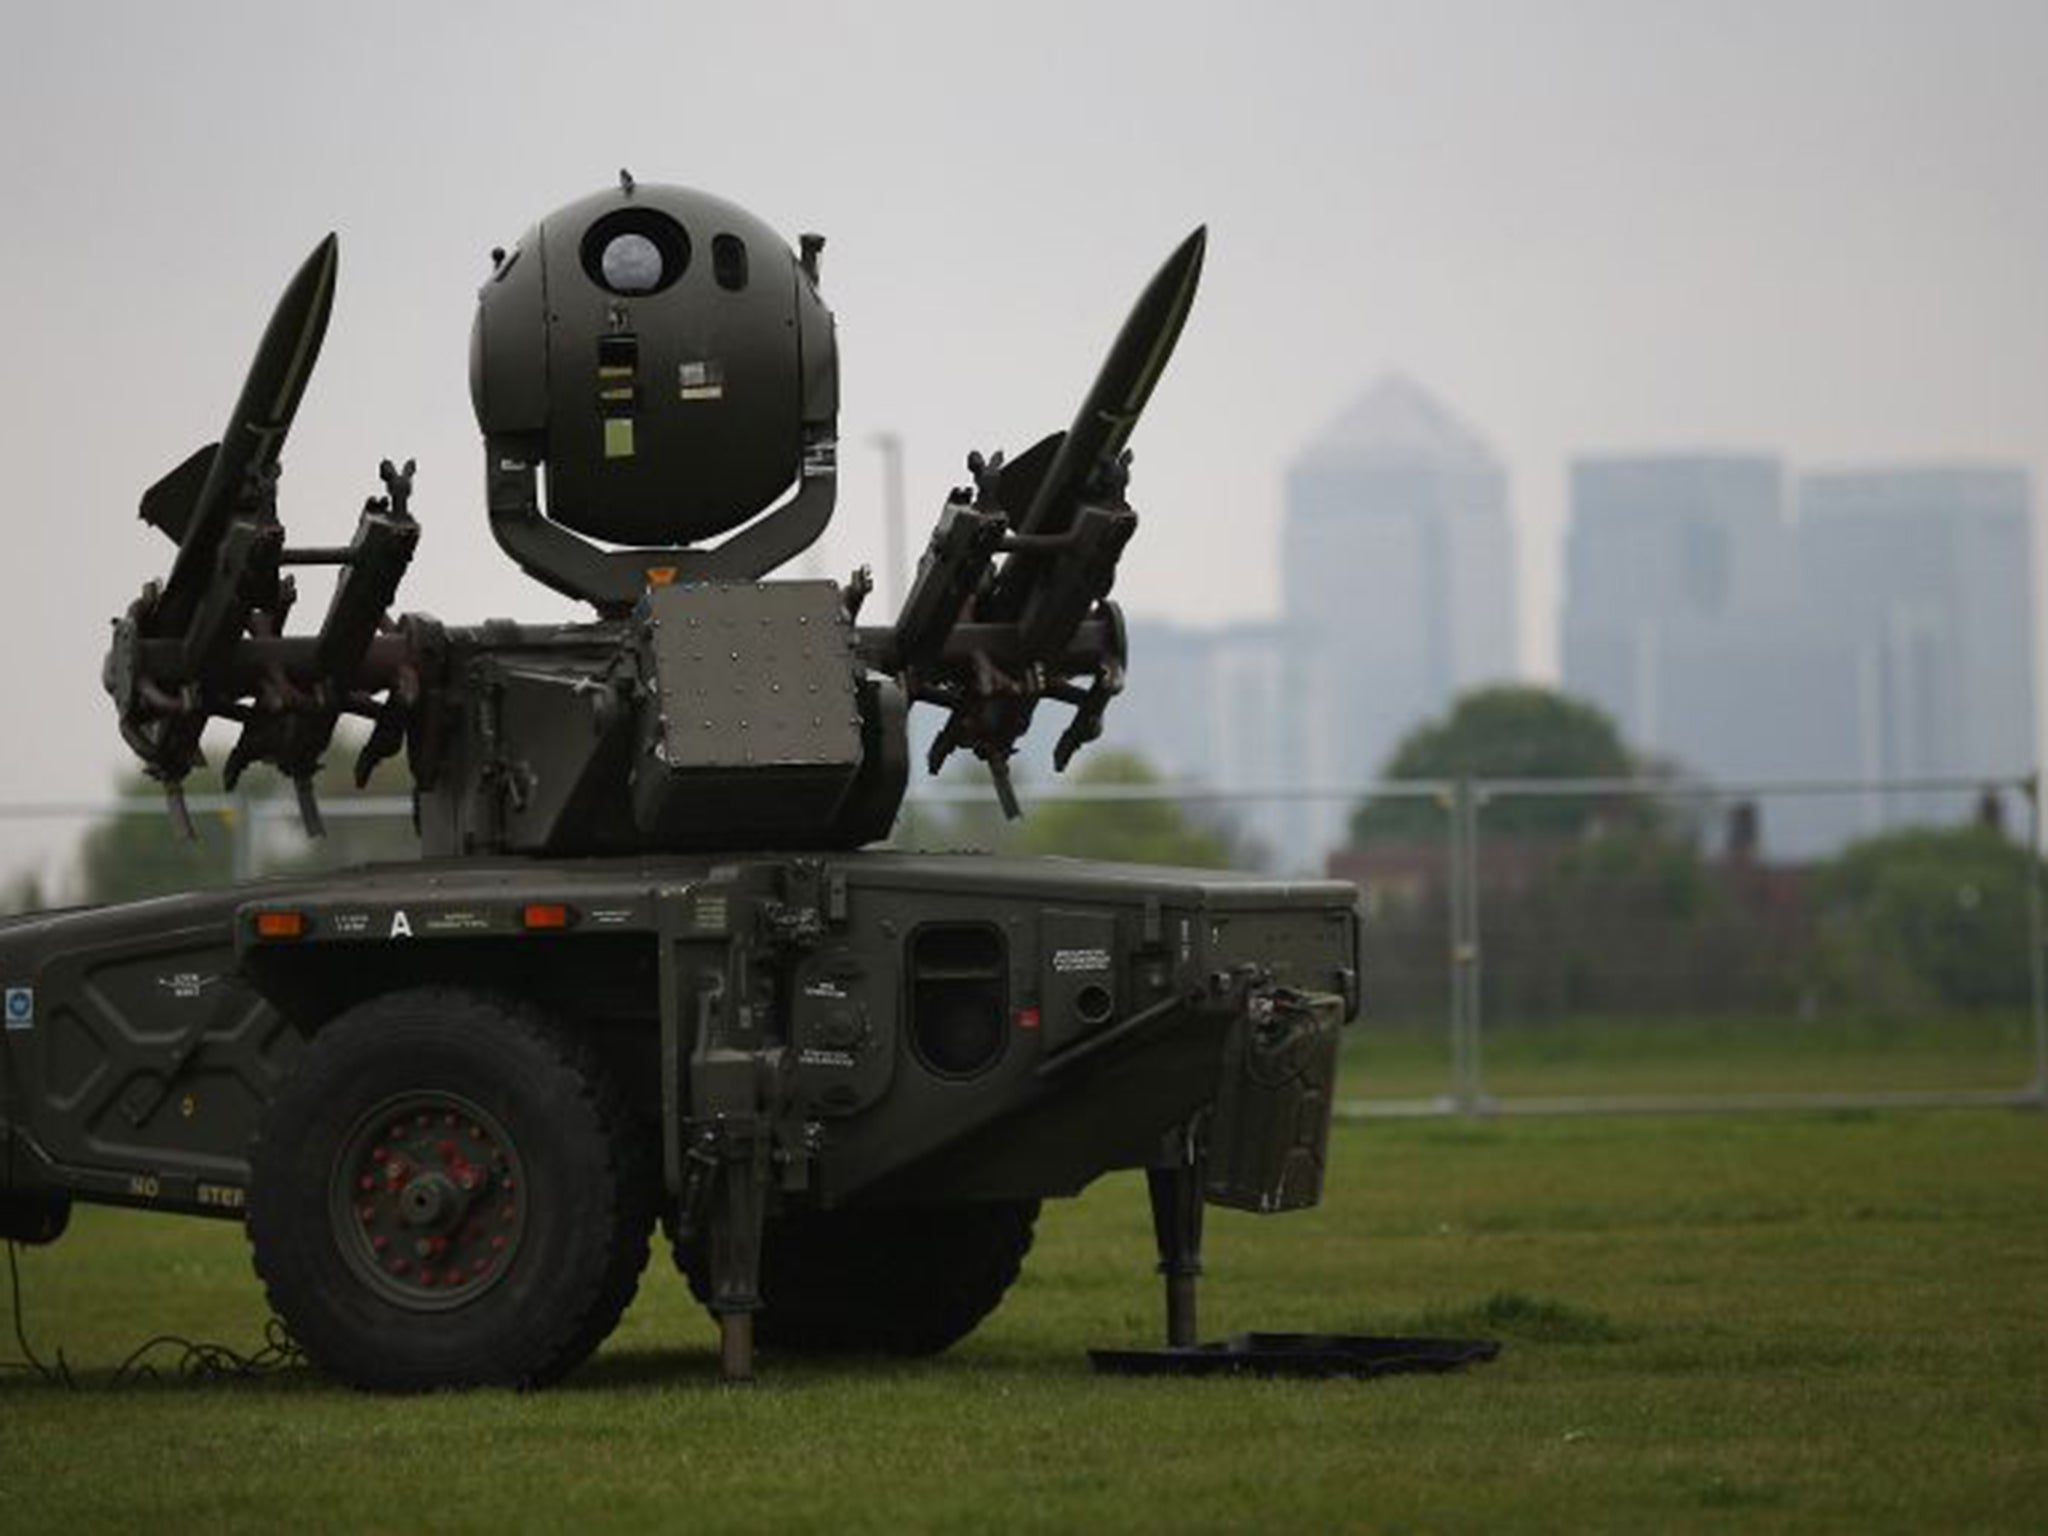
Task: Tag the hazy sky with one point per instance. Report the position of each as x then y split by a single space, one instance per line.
1817 228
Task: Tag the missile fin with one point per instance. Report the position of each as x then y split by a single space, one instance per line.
167 505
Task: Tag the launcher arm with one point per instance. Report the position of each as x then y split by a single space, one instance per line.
234 661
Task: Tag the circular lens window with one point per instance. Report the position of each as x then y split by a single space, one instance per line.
630 263
635 251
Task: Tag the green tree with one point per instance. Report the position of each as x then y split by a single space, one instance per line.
23 892
1929 915
135 854
974 821
1507 731
1135 831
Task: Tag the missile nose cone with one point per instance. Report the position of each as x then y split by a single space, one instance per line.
325 260
1148 337
1185 263
316 272
1189 256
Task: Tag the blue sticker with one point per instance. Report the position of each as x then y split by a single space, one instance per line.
21 1007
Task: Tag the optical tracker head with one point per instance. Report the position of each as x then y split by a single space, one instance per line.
663 358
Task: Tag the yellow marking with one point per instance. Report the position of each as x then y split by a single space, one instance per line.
614 371
616 394
188 1106
618 437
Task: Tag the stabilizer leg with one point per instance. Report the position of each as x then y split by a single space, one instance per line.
738 1213
1175 1185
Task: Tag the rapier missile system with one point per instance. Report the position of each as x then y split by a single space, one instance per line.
648 972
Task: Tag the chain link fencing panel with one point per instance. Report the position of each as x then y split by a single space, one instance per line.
1671 945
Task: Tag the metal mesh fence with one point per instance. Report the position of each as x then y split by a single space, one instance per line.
1530 946
1643 945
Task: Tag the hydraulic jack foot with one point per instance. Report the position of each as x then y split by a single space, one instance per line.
736 1348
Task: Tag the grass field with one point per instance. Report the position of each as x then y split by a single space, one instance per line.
1834 1321
1738 1054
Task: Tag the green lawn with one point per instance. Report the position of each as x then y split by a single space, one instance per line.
1813 1321
1740 1054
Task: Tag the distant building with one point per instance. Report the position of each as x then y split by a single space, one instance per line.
1930 571
1209 707
1884 631
1683 618
1398 591
1398 585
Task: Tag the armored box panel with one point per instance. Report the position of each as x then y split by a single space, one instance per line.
753 732
1269 1140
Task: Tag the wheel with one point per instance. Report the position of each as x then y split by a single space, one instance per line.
902 1280
448 1192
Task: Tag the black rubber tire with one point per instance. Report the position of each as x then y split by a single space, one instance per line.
900 1280
588 1201
34 1220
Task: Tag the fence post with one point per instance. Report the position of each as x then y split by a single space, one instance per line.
2037 981
1475 985
242 835
1451 799
1466 1089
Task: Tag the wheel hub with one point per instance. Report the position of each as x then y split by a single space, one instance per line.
428 1202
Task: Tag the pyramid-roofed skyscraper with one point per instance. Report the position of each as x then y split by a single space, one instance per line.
1398 581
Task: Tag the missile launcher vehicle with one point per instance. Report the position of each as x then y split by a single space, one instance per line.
650 973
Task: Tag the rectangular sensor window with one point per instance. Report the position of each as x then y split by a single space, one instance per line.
702 380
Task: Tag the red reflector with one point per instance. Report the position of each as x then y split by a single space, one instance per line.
1027 1018
544 914
280 925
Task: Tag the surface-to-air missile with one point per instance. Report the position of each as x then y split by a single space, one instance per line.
648 971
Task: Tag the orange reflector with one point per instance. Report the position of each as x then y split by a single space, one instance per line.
661 575
280 925
544 914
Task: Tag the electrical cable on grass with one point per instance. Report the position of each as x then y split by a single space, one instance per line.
191 1360
58 1375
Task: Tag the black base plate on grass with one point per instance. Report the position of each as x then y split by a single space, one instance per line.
1299 1354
